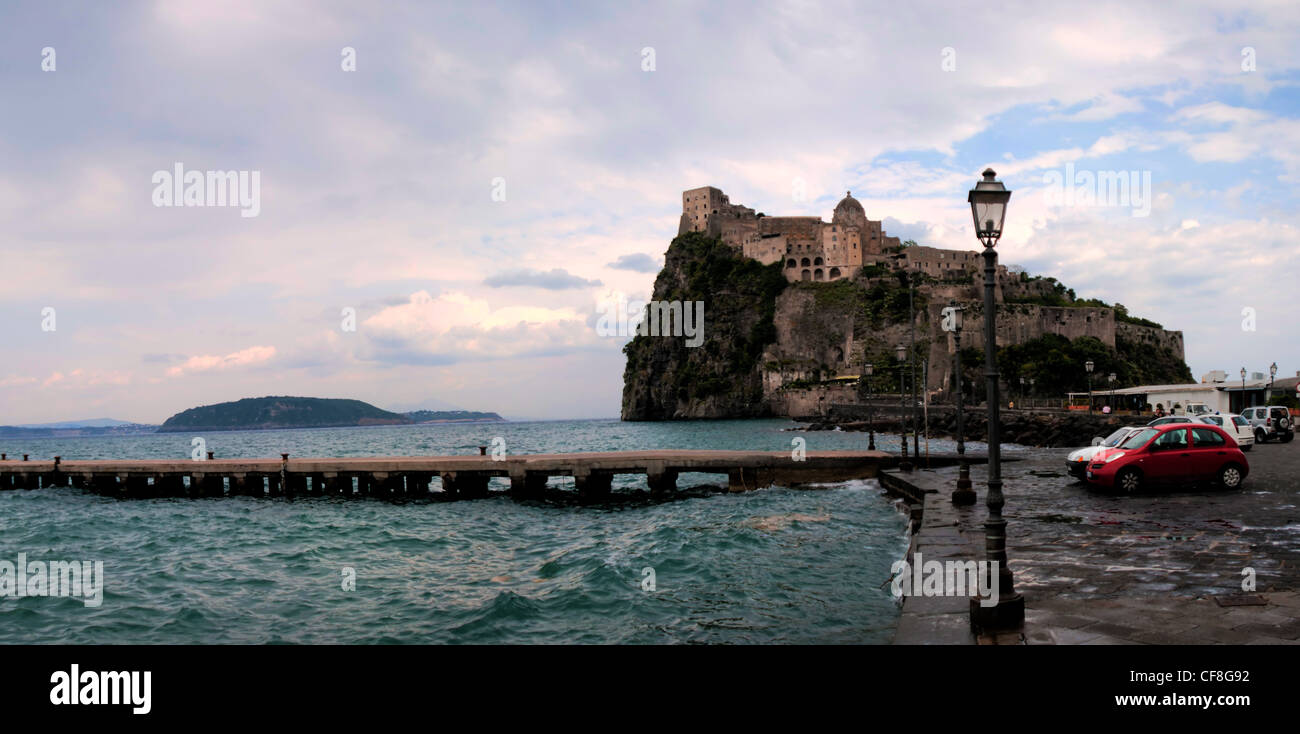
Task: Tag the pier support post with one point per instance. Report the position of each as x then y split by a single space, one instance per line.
465 485
169 485
742 480
332 482
593 486
662 482
104 484
137 486
417 484
526 485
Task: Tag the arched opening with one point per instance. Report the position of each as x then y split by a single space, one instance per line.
791 263
817 261
835 273
805 262
806 275
817 275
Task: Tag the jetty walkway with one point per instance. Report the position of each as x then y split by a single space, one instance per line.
459 476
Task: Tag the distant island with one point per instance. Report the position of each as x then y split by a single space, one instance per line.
453 416
295 412
76 429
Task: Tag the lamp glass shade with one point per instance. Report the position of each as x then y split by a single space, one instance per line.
988 205
869 369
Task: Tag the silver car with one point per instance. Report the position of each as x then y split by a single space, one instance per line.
1077 462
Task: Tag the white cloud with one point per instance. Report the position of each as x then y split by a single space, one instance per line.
207 362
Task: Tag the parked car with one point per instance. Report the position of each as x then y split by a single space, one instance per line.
1270 422
1175 454
1174 419
1077 462
1236 426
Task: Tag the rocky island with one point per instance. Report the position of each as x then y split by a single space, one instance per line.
296 412
796 306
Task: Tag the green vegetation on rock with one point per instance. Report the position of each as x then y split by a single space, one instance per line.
281 412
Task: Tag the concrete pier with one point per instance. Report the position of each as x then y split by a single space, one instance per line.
461 477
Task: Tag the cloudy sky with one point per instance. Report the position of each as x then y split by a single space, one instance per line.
489 172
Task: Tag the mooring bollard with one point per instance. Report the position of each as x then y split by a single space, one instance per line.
210 455
24 457
482 450
284 475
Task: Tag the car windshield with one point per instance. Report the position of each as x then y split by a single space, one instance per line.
1138 439
1239 421
1216 420
1115 437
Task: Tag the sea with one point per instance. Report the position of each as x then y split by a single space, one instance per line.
776 565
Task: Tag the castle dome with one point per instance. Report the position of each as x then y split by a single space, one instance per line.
849 211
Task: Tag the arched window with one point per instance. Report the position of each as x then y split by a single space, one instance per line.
818 261
791 263
805 275
817 275
835 273
805 263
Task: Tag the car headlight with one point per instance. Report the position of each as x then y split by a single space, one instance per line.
1114 456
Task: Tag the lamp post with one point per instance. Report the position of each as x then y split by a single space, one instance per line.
1272 373
1088 367
1022 393
1111 379
1243 390
963 494
901 352
988 205
1031 386
867 370
911 350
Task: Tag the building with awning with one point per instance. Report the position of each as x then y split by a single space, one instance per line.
1219 397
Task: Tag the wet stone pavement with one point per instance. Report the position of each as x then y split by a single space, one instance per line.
1096 568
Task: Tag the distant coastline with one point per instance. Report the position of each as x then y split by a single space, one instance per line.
256 414
278 412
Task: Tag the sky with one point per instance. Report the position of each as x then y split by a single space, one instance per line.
448 191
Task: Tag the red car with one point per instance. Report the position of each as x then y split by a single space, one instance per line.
1171 454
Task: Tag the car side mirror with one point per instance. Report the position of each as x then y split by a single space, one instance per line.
1097 440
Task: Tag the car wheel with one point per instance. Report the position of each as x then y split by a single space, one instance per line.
1287 438
1282 424
1260 436
1230 476
1128 481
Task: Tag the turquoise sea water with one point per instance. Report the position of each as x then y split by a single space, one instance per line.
775 565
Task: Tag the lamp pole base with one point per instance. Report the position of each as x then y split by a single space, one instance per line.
1007 614
964 494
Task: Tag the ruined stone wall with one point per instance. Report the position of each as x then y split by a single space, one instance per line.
1150 336
766 250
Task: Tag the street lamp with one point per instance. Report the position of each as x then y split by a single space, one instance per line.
1243 390
901 352
1272 373
988 206
1088 366
1032 380
1111 379
1022 393
867 370
963 494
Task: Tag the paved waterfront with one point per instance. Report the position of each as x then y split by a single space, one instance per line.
1103 569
